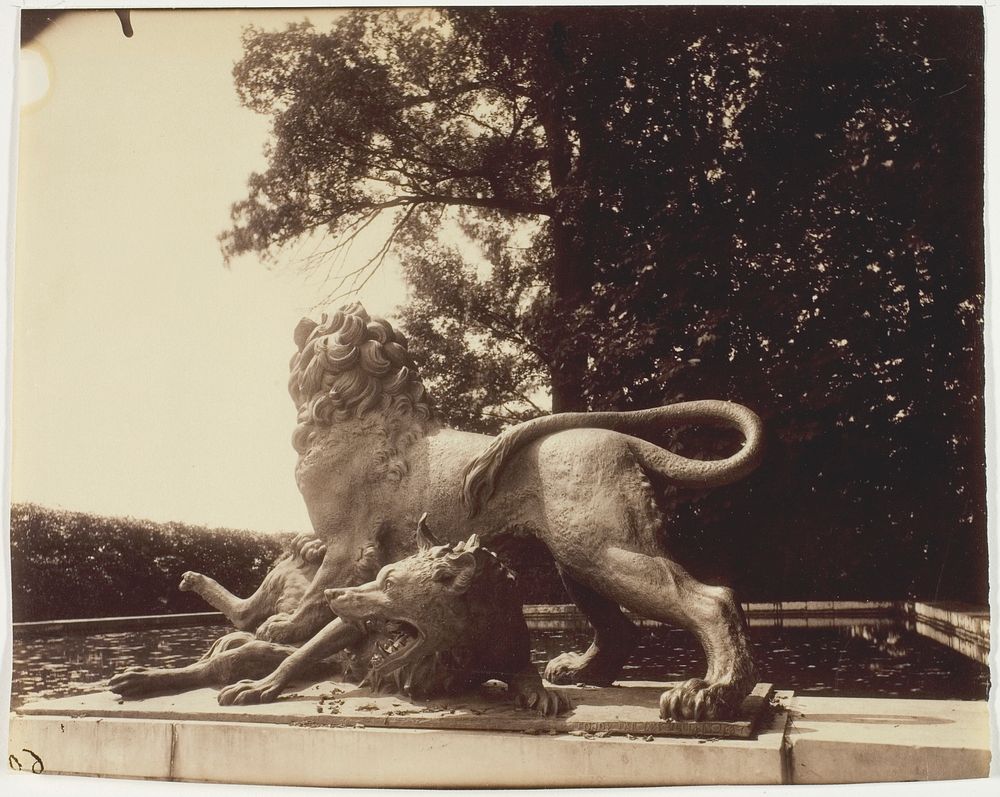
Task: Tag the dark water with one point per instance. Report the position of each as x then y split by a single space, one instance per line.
870 660
857 661
77 663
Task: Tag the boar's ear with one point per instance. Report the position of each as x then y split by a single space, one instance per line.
425 539
457 572
465 567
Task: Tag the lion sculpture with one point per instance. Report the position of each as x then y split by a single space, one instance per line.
440 622
373 457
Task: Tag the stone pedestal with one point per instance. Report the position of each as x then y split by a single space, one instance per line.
324 737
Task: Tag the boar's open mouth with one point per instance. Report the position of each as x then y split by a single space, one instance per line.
396 642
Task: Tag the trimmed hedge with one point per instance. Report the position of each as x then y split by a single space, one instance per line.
68 565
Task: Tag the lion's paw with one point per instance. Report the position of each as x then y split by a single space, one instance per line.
247 692
280 628
577 668
136 681
308 548
696 699
301 539
547 702
191 581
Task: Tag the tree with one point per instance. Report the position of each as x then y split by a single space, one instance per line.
780 207
398 111
469 330
825 267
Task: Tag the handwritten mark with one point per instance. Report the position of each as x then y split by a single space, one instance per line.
37 766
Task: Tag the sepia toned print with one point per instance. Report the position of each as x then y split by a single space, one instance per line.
599 389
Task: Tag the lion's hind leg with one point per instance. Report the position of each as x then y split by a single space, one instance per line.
310 658
615 637
244 613
655 587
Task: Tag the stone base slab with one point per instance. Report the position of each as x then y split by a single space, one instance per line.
860 740
628 708
254 753
804 740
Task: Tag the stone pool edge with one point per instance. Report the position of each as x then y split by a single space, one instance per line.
538 616
961 627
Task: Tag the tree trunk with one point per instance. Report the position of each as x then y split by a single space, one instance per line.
572 270
569 365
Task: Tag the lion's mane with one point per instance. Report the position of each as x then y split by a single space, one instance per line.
350 365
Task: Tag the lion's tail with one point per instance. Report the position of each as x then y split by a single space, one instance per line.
482 473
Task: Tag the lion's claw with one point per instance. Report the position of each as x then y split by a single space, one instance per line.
301 539
247 692
695 699
308 548
133 681
126 683
277 628
547 702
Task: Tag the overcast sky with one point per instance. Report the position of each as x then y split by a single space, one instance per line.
148 379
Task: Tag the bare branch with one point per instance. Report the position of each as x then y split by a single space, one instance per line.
527 400
460 89
371 265
511 205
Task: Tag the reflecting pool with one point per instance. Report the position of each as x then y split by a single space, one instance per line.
875 659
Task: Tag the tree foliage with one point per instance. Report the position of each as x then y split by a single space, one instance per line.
408 112
633 206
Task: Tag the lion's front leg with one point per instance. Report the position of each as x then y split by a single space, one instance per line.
235 656
134 682
718 622
335 636
655 587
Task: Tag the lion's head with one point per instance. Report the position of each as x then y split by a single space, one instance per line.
348 365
